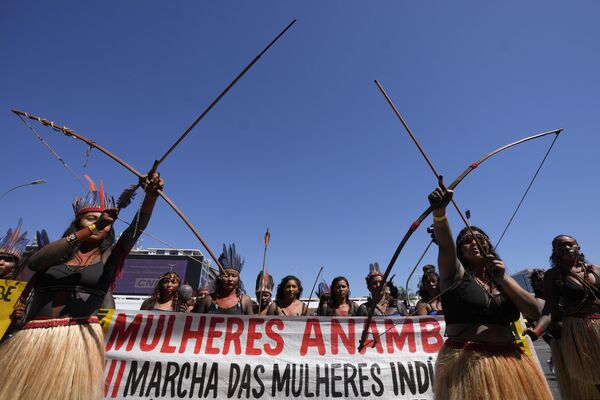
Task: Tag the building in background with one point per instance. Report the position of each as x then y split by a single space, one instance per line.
144 267
523 278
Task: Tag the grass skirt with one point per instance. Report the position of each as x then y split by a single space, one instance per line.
570 389
580 347
469 370
54 359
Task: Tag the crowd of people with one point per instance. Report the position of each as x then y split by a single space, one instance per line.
56 318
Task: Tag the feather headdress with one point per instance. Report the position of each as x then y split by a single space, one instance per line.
94 200
323 288
42 239
373 271
14 242
230 259
264 282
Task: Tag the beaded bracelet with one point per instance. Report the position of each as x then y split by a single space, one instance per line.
72 240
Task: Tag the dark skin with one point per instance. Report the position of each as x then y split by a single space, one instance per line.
568 251
433 290
7 264
290 304
340 291
169 287
265 299
88 252
226 295
451 271
373 285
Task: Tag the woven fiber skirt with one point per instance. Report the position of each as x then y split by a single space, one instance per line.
570 388
54 359
499 371
580 347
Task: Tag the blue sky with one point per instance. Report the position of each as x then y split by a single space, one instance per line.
305 144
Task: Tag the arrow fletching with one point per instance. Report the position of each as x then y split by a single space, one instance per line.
126 197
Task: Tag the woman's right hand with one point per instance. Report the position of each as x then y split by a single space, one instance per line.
107 218
440 197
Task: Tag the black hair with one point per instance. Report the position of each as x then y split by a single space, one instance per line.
332 300
239 290
486 242
537 275
155 298
423 293
555 258
284 281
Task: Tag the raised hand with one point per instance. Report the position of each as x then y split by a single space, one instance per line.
107 218
441 196
152 184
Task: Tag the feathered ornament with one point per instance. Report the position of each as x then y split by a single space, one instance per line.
230 259
373 271
41 237
94 201
127 196
323 288
264 282
14 242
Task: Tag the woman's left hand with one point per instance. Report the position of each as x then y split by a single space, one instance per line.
496 268
152 184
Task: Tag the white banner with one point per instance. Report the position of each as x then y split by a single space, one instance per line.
174 355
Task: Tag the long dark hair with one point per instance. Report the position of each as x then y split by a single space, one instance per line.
281 287
555 258
74 226
423 292
537 275
332 300
486 242
155 297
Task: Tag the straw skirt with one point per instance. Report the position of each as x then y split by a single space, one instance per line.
54 359
470 370
580 347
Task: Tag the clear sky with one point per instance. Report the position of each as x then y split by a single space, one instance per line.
305 144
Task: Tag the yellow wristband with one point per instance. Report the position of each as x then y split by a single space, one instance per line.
440 219
93 229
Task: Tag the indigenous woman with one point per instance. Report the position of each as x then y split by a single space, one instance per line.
206 287
166 295
287 299
339 304
72 277
430 302
11 249
574 283
386 305
228 297
480 359
264 290
323 293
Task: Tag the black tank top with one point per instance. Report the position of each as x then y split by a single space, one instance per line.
468 302
235 310
575 294
80 292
